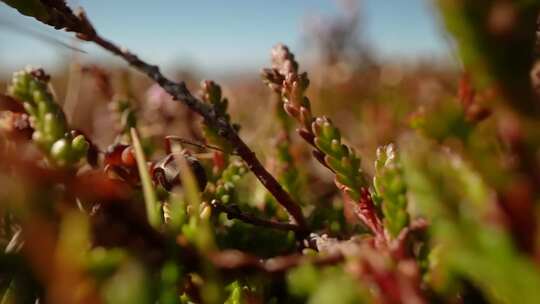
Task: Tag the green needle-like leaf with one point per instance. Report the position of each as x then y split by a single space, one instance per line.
150 198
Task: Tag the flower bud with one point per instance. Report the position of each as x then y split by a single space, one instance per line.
61 150
330 132
52 127
38 96
80 145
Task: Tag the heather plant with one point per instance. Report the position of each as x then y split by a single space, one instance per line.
445 213
62 146
320 132
211 94
391 189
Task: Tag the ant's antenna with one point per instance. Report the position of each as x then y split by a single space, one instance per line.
6 24
184 141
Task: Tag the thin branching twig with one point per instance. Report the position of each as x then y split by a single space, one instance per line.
236 260
61 16
235 213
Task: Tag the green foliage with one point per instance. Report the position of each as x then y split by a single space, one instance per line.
327 285
341 158
223 189
447 215
127 118
150 198
170 276
239 235
442 121
495 40
303 280
235 293
462 208
289 175
330 217
285 79
390 189
211 94
128 285
102 262
62 147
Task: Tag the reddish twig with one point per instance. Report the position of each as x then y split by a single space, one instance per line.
62 17
238 260
365 210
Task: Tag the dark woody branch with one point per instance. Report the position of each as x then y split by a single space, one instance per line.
57 14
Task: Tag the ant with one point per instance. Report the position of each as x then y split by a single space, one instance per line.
120 163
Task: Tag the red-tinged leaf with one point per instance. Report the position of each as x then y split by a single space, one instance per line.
306 135
365 210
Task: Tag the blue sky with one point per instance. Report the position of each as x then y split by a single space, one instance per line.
219 35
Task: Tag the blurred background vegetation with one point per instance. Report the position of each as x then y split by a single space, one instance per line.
465 162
